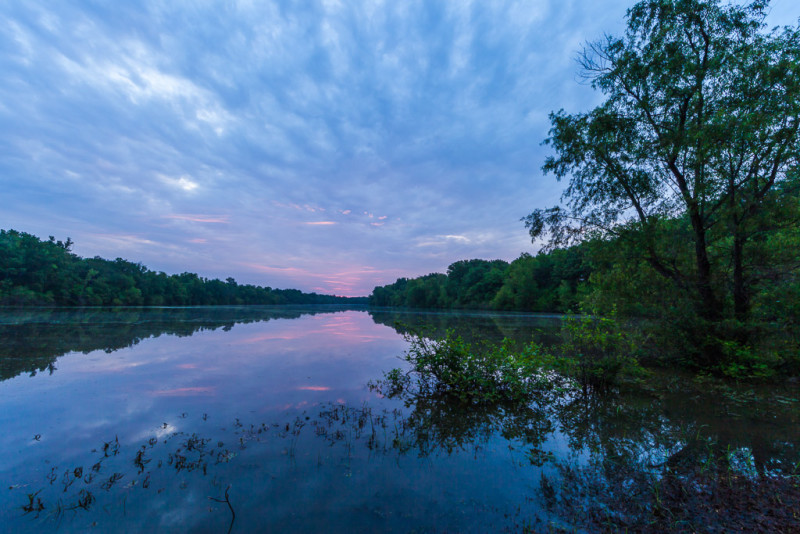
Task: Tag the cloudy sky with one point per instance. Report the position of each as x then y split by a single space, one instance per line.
325 145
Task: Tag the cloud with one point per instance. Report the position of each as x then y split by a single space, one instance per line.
424 117
122 240
460 238
212 219
182 182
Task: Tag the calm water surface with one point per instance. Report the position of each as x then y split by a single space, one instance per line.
170 419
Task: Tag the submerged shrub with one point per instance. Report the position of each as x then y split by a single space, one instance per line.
596 351
473 373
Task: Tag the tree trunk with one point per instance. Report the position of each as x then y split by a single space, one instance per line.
709 305
741 301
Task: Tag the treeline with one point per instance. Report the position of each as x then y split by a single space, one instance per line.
35 272
551 282
609 275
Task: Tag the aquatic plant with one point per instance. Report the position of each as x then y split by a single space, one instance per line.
472 373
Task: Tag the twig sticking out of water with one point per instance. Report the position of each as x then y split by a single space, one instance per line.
227 501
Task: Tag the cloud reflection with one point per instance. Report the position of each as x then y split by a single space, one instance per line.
185 392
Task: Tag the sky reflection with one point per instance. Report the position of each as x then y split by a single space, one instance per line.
279 409
185 392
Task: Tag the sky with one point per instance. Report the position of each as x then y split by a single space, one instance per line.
328 146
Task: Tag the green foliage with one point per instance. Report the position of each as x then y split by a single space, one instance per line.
597 351
742 362
692 160
543 283
471 373
34 272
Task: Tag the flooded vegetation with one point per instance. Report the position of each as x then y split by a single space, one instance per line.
240 419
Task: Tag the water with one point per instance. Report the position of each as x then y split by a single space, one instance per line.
210 419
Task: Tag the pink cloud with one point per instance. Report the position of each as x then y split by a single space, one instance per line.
321 223
348 280
314 388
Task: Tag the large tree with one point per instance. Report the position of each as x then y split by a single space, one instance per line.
700 126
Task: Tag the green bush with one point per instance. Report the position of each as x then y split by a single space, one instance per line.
596 351
473 373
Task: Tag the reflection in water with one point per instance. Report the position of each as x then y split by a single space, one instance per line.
659 463
182 392
270 425
472 326
32 340
434 423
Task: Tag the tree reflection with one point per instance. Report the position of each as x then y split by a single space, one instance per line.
472 326
32 340
670 454
657 463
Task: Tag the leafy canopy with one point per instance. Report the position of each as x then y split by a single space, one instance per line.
700 124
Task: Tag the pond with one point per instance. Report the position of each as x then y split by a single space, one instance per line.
257 418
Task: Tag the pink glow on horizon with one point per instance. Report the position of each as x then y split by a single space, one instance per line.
344 327
347 280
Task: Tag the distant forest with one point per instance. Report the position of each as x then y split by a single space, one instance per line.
543 283
604 273
35 272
